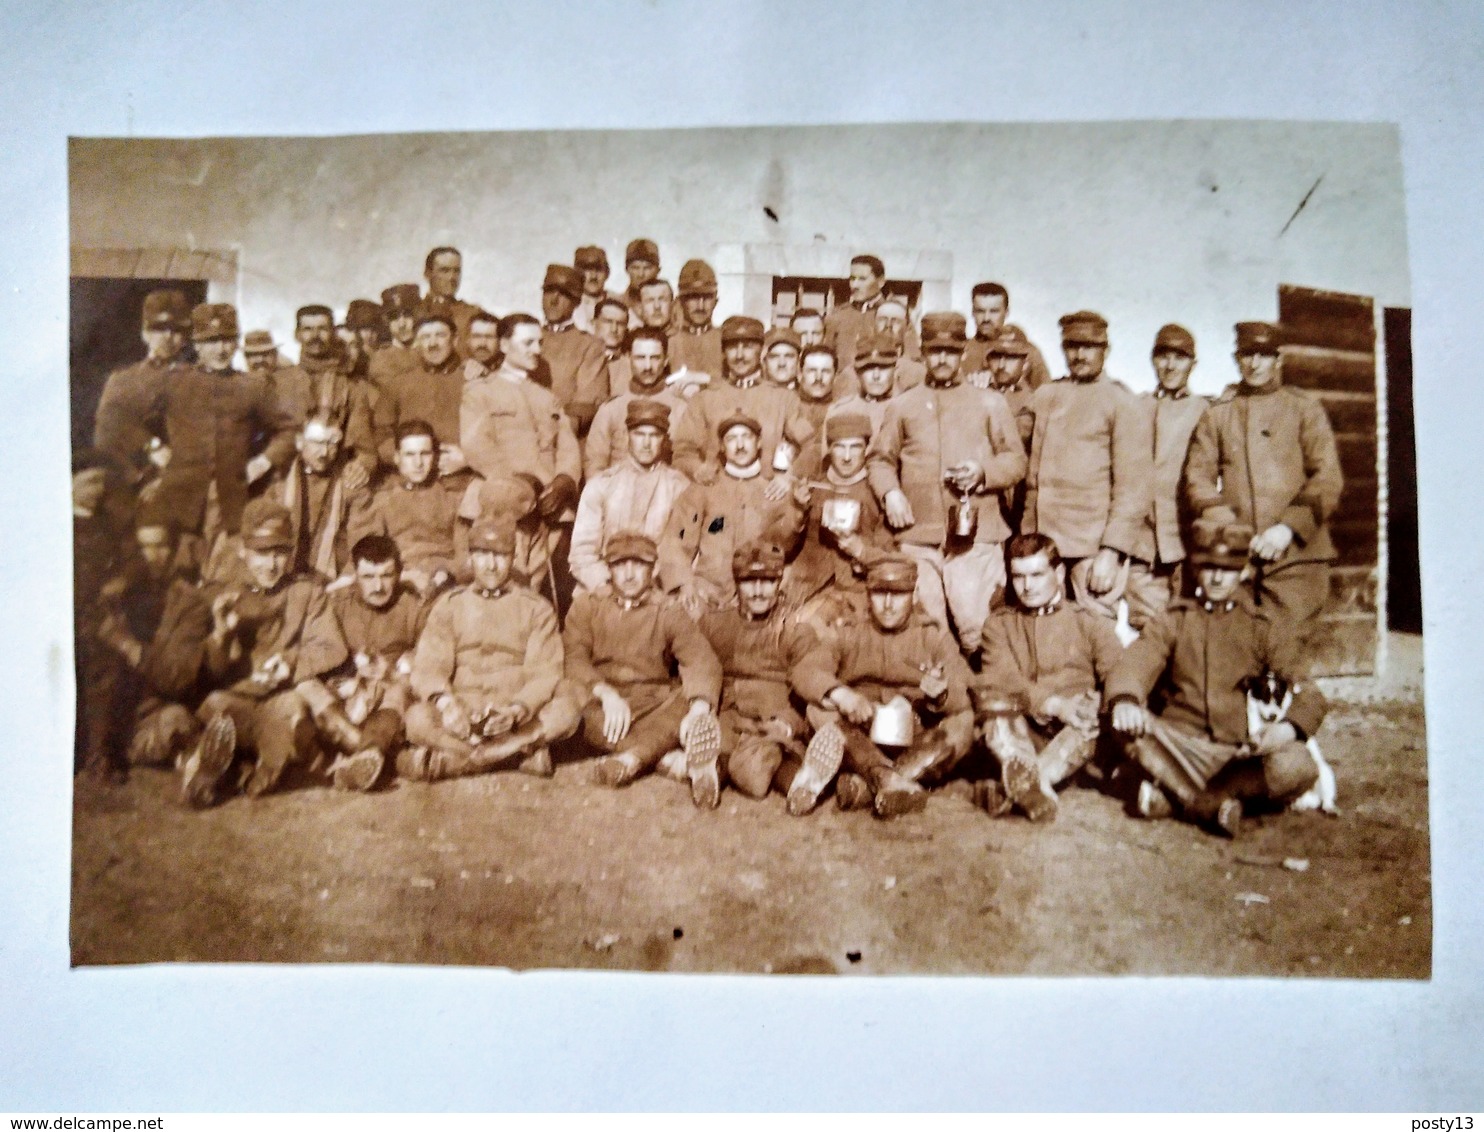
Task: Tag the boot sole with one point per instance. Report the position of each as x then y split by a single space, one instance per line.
1022 781
358 772
702 750
822 759
210 762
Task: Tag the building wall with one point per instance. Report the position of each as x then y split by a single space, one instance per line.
1146 222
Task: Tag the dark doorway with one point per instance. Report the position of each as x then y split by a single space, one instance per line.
104 335
1404 577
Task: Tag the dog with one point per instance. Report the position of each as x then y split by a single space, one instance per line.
1268 698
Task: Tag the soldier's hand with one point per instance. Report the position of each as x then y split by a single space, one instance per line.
453 717
898 510
617 715
706 474
934 684
966 477
853 706
1103 575
159 456
852 546
224 615
355 476
1084 712
803 492
1276 735
1130 719
777 487
556 498
273 672
1273 542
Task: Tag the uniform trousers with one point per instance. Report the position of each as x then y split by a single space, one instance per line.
1297 593
960 582
937 747
557 719
1150 588
277 728
754 762
656 711
1189 764
1059 750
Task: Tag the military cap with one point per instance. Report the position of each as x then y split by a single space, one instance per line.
895 573
784 335
696 278
627 545
1084 328
944 330
167 310
642 249
401 299
363 314
426 312
259 342
1011 342
757 560
733 420
1258 338
644 411
1216 541
213 320
589 256
560 277
509 497
1173 336
844 426
266 525
496 534
740 328
875 350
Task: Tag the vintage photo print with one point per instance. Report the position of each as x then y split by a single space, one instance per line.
912 549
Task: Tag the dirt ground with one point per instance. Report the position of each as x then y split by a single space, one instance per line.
508 870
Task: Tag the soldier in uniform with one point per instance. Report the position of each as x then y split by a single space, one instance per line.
399 306
781 357
1154 570
416 509
127 425
942 463
444 270
808 324
368 320
744 392
319 493
611 328
593 263
625 645
1037 700
843 325
641 260
485 674
648 366
991 303
1267 453
1005 372
1091 464
867 664
635 495
579 376
1197 656
762 730
361 642
260 351
715 516
484 339
869 385
432 389
657 305
320 386
696 345
816 385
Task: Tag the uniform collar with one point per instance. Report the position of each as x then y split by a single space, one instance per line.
836 480
871 303
1051 607
628 603
696 331
747 382
559 327
1163 394
490 595
1215 606
932 384
750 472
1245 390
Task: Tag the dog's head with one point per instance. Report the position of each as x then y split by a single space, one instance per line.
1268 692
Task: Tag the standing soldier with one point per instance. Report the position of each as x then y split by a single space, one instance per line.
816 385
320 386
1154 575
895 679
843 325
872 379
579 373
368 320
1091 464
260 351
399 307
942 463
696 345
641 259
593 263
444 271
432 389
648 366
611 328
781 357
808 324
991 302
127 427
1267 453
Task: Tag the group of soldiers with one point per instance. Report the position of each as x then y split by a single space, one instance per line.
854 553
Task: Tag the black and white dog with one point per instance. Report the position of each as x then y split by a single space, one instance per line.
1268 700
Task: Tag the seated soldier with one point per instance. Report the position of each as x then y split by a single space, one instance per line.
415 509
1197 655
712 519
508 502
624 644
319 491
485 673
607 440
252 658
636 494
761 729
154 624
843 533
1044 659
355 661
860 678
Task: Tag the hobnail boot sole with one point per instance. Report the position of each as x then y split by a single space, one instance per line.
210 762
822 759
702 751
1023 784
358 772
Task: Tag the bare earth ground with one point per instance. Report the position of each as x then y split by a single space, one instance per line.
513 871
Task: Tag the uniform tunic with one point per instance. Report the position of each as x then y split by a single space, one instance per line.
626 497
579 372
756 658
1034 374
427 394
697 350
345 626
647 642
129 411
880 664
607 440
1037 654
516 426
710 521
319 387
1173 419
820 562
419 518
389 361
775 408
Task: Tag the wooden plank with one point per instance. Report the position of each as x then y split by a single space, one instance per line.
1357 454
154 263
1344 646
104 263
1310 367
1352 589
1357 501
1355 541
1327 318
1349 412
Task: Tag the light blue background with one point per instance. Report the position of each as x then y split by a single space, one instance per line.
395 1038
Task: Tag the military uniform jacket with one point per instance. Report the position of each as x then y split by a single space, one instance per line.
756 659
873 410
320 387
1033 374
1037 654
419 518
607 440
213 423
1270 456
461 312
344 626
1173 420
651 641
880 665
579 372
511 427
172 621
1197 659
626 497
129 412
1091 462
432 395
697 350
845 325
772 406
710 521
489 648
927 430
389 361
820 562
271 623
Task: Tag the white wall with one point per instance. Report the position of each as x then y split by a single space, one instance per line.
1145 222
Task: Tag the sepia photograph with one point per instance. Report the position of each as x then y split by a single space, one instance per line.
919 548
